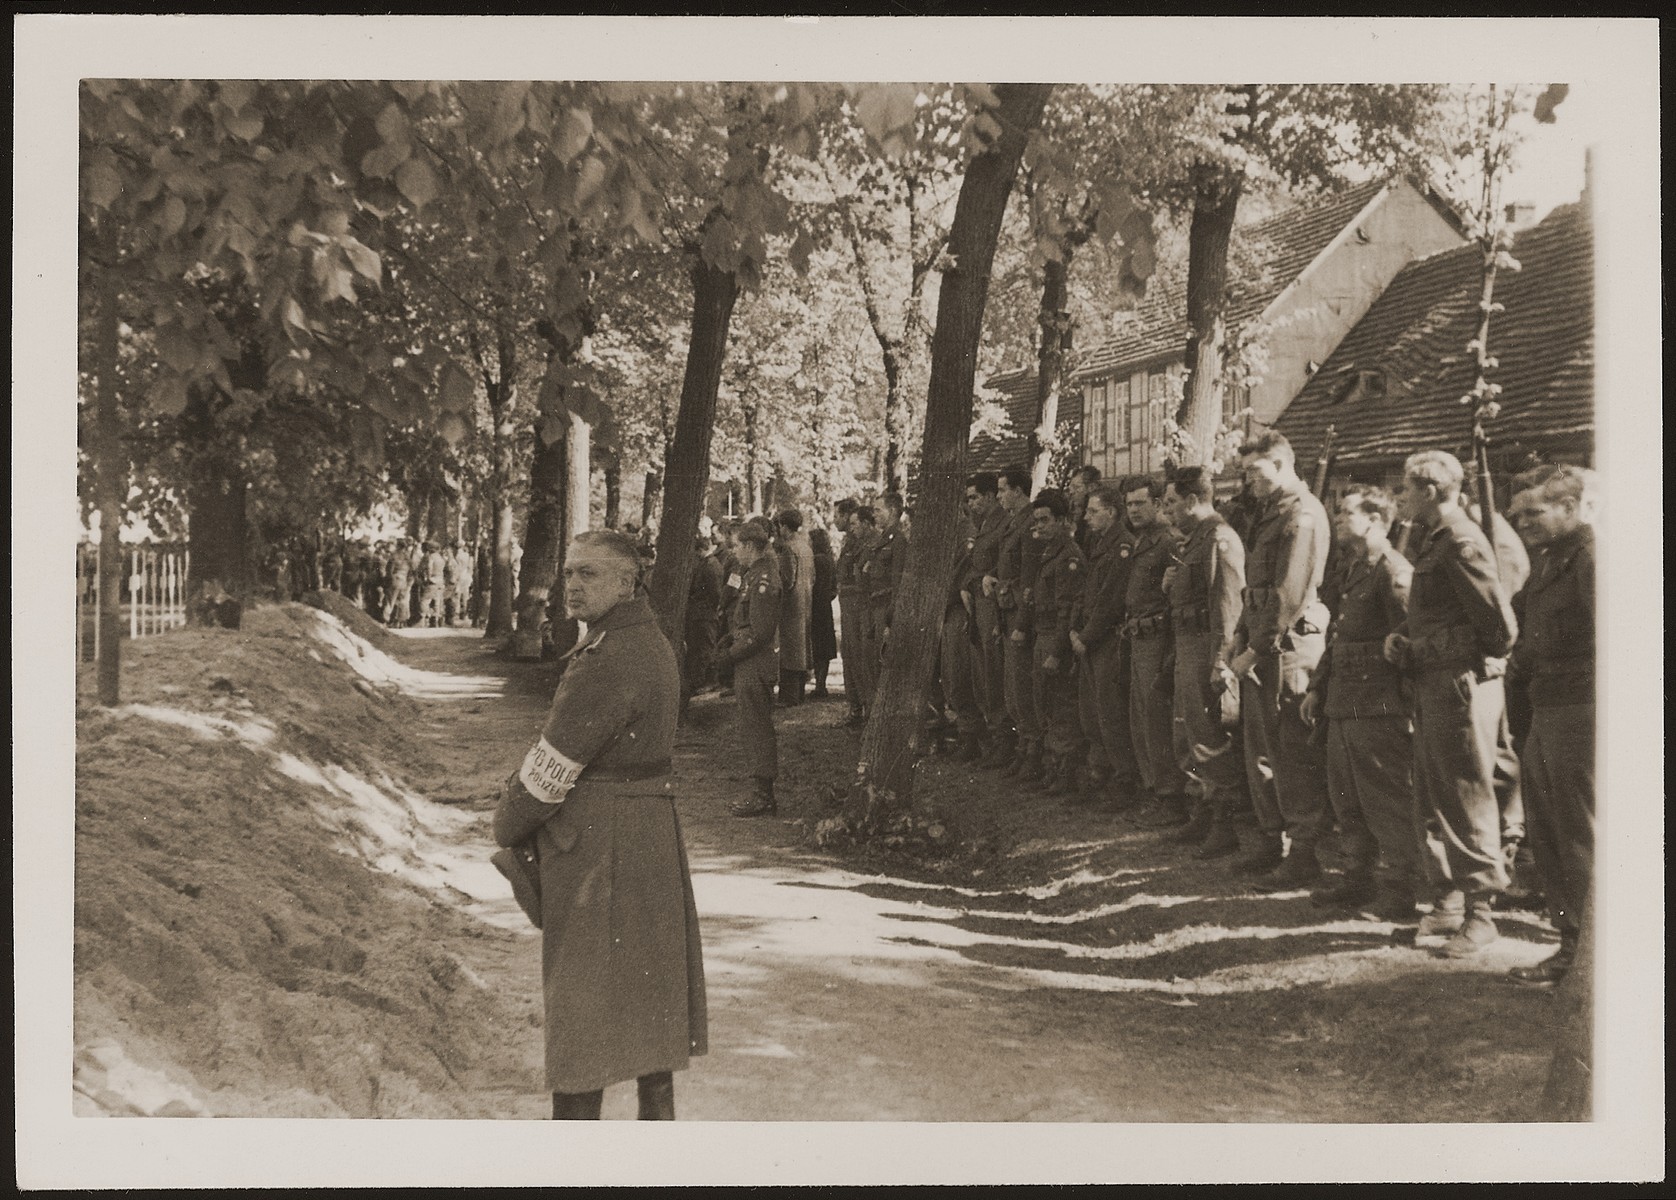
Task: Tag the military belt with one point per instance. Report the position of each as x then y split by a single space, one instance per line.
1192 618
1149 626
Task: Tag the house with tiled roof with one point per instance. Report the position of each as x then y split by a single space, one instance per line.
1306 276
1394 384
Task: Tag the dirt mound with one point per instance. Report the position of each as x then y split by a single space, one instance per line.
262 897
354 618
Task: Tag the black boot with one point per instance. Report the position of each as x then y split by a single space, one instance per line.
761 802
1198 825
971 747
577 1106
657 1096
1064 779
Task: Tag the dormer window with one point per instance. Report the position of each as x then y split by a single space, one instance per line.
1362 385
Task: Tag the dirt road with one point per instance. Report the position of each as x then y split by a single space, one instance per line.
1092 975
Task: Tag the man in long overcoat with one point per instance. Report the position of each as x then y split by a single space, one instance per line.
621 965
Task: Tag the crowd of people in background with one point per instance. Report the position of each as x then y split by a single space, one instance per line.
401 582
1386 706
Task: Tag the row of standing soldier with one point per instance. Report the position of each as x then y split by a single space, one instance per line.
1123 647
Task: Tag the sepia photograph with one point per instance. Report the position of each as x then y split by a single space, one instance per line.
1040 630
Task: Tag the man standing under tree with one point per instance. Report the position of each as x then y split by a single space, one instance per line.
1370 751
1021 554
704 605
880 572
1204 591
989 519
1058 590
852 604
1146 629
1554 510
1102 686
754 652
1454 646
621 963
794 606
1282 634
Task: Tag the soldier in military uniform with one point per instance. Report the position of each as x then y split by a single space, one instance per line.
1146 630
1020 556
852 604
1365 704
754 652
1058 588
989 518
1281 636
1454 647
956 675
621 962
881 569
1554 509
1204 588
1102 685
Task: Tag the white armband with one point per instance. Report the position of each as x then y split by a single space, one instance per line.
547 774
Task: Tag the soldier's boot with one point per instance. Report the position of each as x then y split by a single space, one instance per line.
1262 856
1197 827
1446 918
1123 796
1551 970
1029 766
1478 929
1346 891
760 803
1041 775
1393 902
657 1096
1165 812
1300 867
1221 840
577 1106
971 746
1014 767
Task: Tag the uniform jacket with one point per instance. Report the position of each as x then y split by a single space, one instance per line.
704 594
1144 597
622 969
1099 615
1283 573
1555 654
986 549
1353 678
1205 593
756 618
960 579
1059 586
1020 556
881 570
795 601
1458 614
858 542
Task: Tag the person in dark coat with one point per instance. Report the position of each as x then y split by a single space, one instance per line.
823 634
621 963
704 606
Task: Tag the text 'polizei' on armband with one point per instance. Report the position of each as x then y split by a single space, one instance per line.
547 774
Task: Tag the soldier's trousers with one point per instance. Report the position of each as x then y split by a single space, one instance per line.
873 645
852 618
1559 767
1370 781
1103 705
1510 798
1019 660
1208 754
954 670
1055 694
988 669
1456 720
1151 720
1286 774
753 687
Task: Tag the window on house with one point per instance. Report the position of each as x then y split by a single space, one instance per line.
1094 421
1117 404
1235 400
1362 385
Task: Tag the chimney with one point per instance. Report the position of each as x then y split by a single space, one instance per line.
1520 215
1588 196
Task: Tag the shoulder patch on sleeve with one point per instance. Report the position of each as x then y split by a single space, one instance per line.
763 586
734 580
1124 549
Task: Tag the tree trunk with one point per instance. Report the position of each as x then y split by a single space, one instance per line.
1216 197
111 475
579 473
649 497
220 533
687 469
613 468
753 485
503 397
543 543
896 423
890 742
1054 320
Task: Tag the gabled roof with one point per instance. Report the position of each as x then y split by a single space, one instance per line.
1416 335
1284 245
1018 397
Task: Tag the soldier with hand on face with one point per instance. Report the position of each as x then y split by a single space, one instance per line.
754 652
1454 649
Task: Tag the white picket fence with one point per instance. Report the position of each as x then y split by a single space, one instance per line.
153 592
